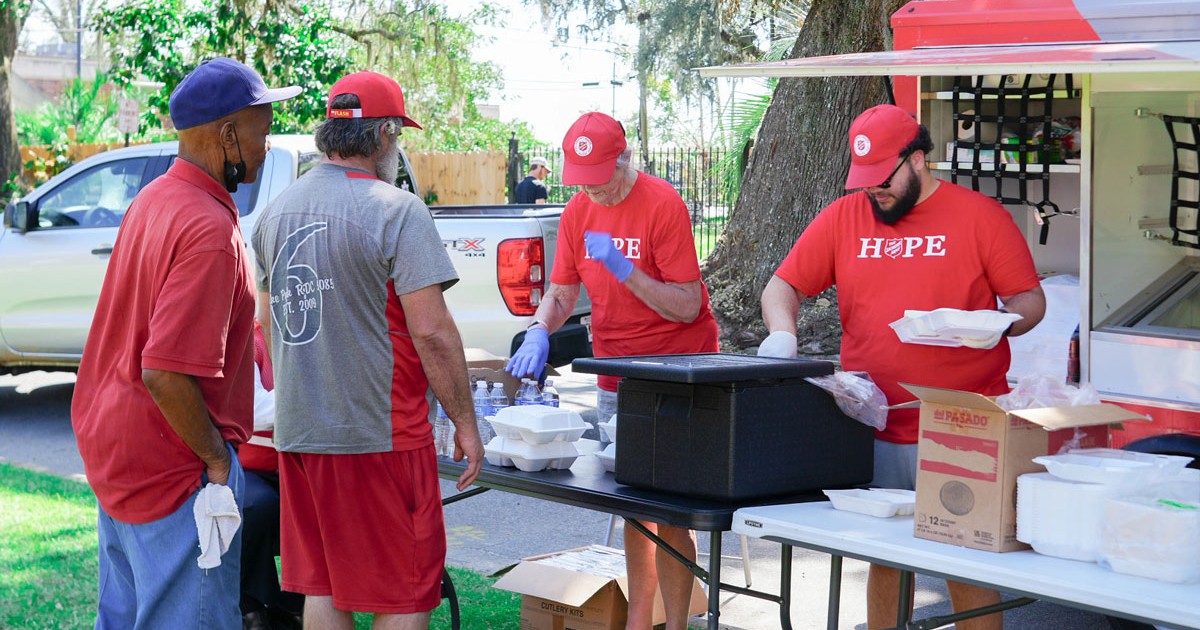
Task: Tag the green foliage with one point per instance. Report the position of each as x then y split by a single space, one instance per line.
88 107
287 44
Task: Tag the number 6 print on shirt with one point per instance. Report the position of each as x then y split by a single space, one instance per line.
296 295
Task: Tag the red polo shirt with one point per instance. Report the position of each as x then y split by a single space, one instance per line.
178 296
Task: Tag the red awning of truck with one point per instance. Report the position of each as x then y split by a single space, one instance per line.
1176 56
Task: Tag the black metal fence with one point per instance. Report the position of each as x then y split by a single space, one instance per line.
695 174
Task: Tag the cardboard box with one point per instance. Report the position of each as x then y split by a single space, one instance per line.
579 589
485 365
971 452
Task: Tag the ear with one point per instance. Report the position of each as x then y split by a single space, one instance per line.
918 160
228 134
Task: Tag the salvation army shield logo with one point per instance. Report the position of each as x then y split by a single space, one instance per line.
583 146
862 145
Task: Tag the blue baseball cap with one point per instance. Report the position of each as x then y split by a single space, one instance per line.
219 87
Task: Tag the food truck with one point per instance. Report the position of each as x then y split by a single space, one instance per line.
1083 118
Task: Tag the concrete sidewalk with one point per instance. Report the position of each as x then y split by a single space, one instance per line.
496 529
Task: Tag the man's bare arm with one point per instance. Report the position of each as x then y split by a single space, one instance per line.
1030 305
439 345
675 302
179 398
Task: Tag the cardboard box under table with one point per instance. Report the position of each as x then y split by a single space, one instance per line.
579 589
971 451
731 427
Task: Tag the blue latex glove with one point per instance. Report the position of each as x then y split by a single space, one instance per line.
600 247
530 358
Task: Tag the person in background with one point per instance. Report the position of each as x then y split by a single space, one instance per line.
264 605
164 393
533 188
351 272
906 240
627 238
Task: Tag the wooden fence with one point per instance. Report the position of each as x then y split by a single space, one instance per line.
451 179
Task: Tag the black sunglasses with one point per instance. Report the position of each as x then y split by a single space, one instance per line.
887 183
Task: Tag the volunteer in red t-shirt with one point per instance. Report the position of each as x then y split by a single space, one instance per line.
907 241
626 237
164 393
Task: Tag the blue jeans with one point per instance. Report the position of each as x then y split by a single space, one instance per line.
149 578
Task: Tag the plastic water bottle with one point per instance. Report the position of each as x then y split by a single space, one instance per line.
528 394
499 399
441 432
483 407
549 394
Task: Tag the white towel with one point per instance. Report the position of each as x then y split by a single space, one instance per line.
217 520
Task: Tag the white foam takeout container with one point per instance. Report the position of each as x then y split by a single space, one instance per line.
949 326
538 424
881 502
528 457
609 428
608 457
1112 466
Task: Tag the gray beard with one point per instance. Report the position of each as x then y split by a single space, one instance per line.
904 204
387 167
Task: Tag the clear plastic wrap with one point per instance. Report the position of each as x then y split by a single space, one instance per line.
857 396
1036 390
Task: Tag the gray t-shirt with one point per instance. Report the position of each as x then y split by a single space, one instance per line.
334 251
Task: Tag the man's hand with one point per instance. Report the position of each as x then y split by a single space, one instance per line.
531 357
468 444
600 247
218 472
982 343
779 344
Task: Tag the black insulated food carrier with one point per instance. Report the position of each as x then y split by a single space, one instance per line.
731 426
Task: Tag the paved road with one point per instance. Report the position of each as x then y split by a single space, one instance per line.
495 529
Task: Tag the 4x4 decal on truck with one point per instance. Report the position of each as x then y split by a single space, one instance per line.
296 301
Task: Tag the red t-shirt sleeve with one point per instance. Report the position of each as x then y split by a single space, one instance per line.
1009 264
569 243
191 316
674 243
809 266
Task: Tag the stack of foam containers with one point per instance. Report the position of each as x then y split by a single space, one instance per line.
608 456
534 437
1069 511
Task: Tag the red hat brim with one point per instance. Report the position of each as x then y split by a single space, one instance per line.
868 175
588 174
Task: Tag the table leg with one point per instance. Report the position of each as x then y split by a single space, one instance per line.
904 602
714 580
835 592
785 587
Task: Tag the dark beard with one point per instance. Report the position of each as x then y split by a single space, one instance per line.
904 203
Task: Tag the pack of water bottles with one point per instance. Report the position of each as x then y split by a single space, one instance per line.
489 398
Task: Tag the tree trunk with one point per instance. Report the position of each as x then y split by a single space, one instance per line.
798 166
11 19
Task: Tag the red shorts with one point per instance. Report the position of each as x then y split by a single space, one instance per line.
365 529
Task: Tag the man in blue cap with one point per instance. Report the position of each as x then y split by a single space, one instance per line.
164 393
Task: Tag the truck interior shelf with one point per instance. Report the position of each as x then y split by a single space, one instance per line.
989 167
948 95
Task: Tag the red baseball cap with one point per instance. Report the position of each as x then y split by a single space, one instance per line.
379 96
877 137
591 148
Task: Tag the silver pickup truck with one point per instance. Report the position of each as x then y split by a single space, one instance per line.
56 241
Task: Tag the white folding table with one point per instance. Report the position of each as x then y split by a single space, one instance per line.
890 541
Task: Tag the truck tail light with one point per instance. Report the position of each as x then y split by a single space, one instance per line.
520 272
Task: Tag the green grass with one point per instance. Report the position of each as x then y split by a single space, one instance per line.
48 561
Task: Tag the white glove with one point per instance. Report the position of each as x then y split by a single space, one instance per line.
982 343
779 344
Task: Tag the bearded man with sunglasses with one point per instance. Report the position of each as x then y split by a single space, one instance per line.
905 240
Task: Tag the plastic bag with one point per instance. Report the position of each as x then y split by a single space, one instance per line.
1038 390
856 395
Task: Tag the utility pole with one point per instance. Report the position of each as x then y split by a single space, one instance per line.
614 83
79 39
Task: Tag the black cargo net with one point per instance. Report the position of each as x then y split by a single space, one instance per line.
1185 199
1012 134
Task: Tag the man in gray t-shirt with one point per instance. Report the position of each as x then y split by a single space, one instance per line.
351 271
